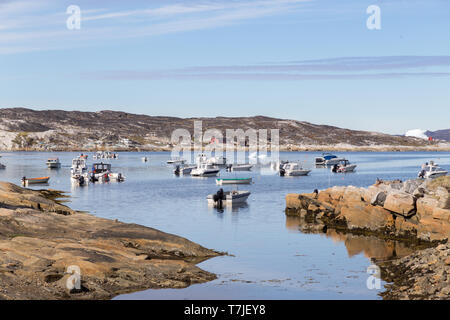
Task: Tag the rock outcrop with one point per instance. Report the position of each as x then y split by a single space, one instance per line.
416 210
421 275
42 242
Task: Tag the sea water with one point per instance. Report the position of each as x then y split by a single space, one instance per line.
270 258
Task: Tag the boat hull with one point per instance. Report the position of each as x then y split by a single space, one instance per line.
233 181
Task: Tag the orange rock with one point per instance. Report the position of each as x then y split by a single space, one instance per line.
425 206
400 202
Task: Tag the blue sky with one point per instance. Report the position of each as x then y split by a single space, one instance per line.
310 60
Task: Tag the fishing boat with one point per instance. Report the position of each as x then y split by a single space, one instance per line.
239 167
205 170
234 181
293 169
53 163
227 198
41 180
101 172
431 171
79 174
343 166
183 169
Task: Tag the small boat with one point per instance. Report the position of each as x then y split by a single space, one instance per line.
144 159
53 163
234 181
239 167
343 167
41 180
217 161
182 169
205 170
293 169
105 155
431 171
229 198
176 161
79 172
328 159
101 172
84 156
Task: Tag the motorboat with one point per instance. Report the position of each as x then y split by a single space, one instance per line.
343 166
328 159
79 171
205 170
431 171
217 161
227 198
105 155
234 181
42 180
293 169
239 167
183 169
101 172
53 163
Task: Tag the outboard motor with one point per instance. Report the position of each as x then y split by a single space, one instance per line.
218 198
421 174
81 180
229 166
177 170
282 172
334 168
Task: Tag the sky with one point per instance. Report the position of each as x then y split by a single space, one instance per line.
308 60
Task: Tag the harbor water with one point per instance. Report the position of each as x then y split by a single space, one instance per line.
269 257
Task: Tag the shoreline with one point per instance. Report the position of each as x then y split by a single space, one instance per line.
41 240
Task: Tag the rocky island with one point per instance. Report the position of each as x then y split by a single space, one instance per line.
42 241
414 211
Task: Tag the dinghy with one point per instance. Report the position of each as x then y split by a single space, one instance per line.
227 198
41 180
234 181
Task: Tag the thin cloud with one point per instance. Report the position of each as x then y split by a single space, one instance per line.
320 69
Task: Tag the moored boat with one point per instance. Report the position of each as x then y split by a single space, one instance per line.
293 169
431 171
101 172
230 198
40 180
53 163
205 170
343 166
239 167
234 181
182 169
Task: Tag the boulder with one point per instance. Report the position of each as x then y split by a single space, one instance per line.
441 214
410 186
378 199
444 198
366 217
400 202
425 207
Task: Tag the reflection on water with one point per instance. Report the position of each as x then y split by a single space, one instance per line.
372 247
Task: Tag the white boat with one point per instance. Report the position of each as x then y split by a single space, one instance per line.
217 161
234 181
227 198
183 169
343 166
176 161
326 159
205 170
293 169
79 174
102 173
105 155
431 171
53 163
240 167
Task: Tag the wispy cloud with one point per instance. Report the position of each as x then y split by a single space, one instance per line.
42 24
321 69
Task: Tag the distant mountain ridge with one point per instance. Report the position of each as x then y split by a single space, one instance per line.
439 134
26 129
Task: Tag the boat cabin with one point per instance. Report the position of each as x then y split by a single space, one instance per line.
101 167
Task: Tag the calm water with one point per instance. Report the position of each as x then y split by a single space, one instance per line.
272 258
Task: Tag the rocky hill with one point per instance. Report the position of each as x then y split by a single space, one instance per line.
26 129
439 134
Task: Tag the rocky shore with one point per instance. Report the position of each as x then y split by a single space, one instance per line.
416 212
43 241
